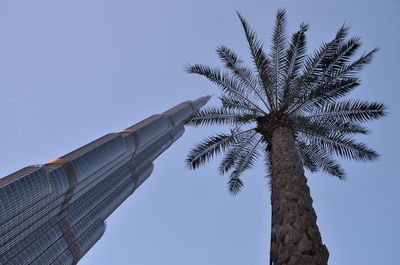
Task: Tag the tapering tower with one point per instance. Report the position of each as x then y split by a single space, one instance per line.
54 213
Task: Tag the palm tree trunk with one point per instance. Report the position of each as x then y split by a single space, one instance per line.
296 239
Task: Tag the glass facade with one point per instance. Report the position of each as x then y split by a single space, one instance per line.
54 213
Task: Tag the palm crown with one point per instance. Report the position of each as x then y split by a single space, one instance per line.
286 88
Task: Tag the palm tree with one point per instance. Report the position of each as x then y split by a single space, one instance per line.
288 107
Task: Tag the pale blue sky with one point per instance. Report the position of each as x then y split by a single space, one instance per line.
72 71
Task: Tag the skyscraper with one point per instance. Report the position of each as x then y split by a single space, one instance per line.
54 213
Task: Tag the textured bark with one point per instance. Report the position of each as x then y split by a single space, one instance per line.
296 239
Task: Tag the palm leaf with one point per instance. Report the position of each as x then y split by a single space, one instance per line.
260 60
345 147
349 70
325 126
235 150
315 158
294 59
235 184
238 105
228 84
326 93
210 147
277 55
342 55
315 65
245 160
244 75
339 58
306 156
219 116
351 111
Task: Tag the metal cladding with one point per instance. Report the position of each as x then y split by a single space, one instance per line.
54 213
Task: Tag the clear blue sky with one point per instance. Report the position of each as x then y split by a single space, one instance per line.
72 71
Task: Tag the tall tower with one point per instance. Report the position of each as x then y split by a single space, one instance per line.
54 213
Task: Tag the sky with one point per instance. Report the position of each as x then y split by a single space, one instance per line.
72 71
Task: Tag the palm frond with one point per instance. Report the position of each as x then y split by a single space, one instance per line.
307 156
246 157
314 158
332 167
344 127
326 93
325 126
315 65
212 146
228 84
339 79
245 160
243 74
219 116
351 111
294 59
236 150
349 70
235 184
344 147
260 60
277 55
331 65
238 105
309 127
342 55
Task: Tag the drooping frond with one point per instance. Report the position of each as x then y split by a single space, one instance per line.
331 167
260 61
344 147
212 146
235 184
309 127
244 160
243 74
230 157
325 126
315 158
346 128
306 156
278 55
219 116
229 85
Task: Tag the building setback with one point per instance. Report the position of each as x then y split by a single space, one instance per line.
54 213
